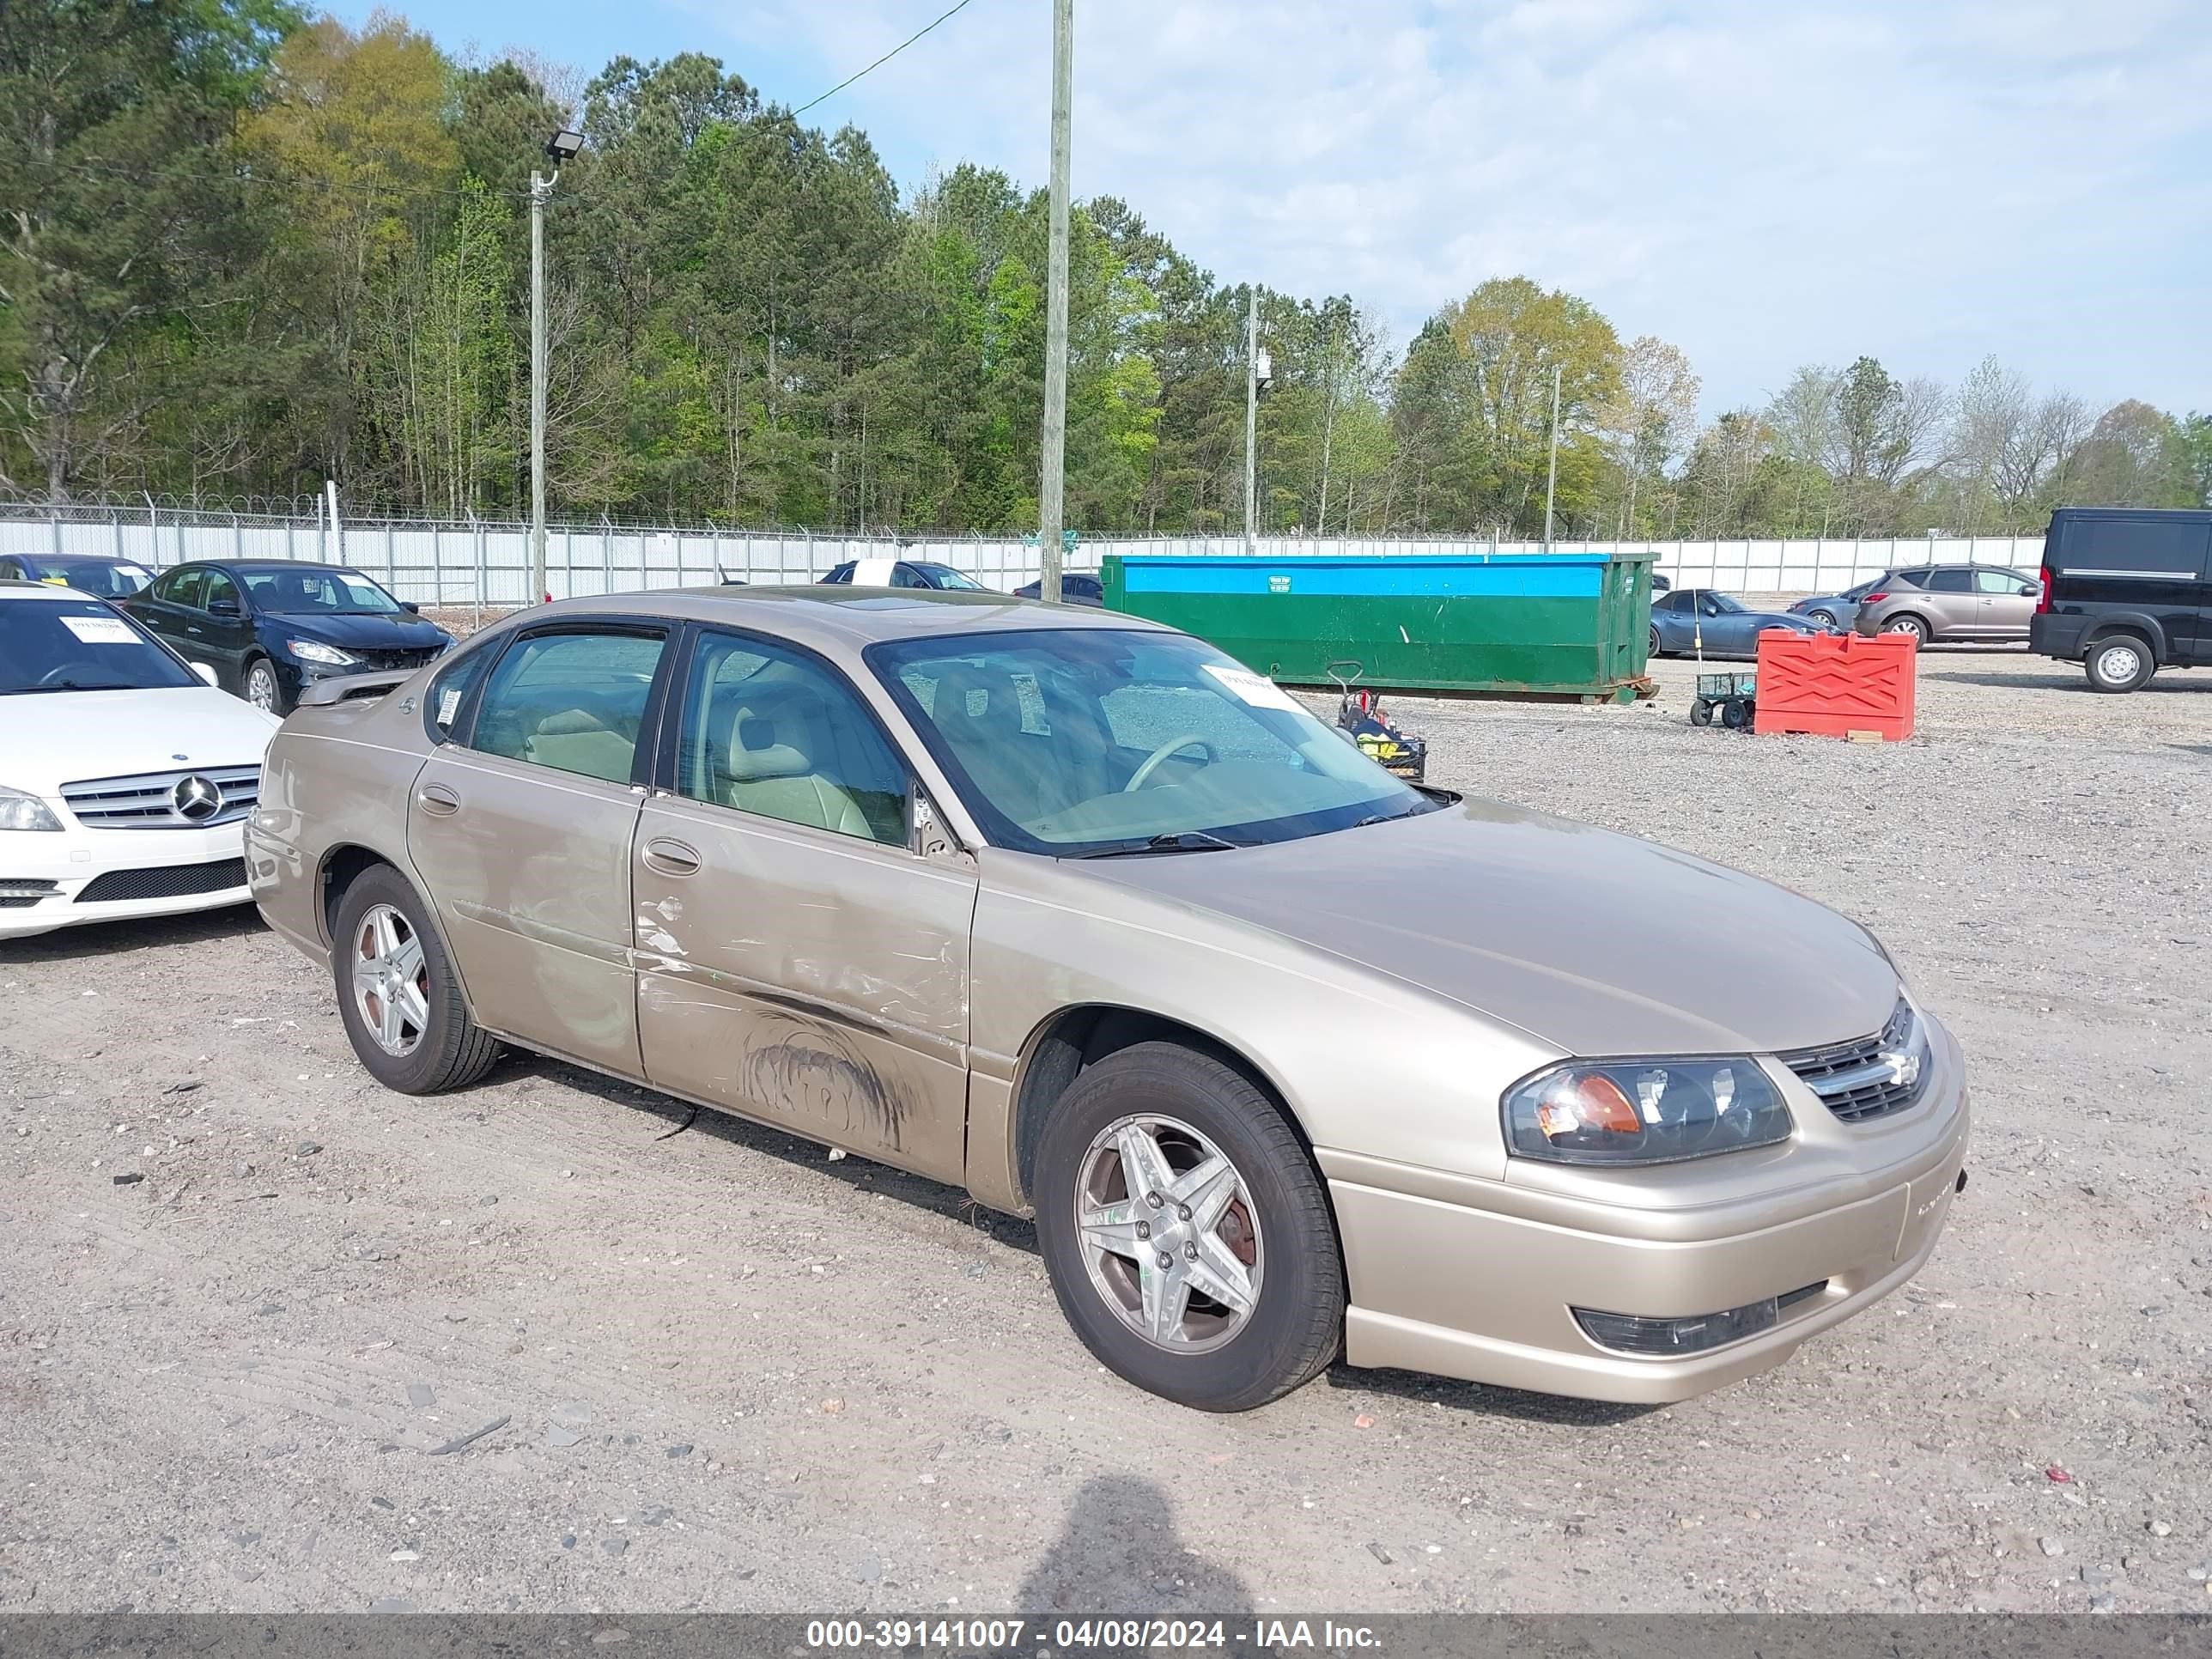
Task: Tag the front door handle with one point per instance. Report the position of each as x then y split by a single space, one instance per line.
671 858
436 798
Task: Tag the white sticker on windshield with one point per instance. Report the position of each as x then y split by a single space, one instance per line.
138 571
449 704
1257 689
100 630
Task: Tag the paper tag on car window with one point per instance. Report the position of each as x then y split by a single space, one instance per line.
449 704
100 630
1257 689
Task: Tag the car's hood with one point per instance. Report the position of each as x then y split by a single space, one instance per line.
48 739
1598 943
398 633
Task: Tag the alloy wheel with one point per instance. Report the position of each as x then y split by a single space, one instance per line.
390 980
1168 1233
261 687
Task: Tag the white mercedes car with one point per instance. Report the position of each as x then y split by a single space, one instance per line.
125 777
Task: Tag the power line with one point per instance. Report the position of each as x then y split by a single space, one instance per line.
883 60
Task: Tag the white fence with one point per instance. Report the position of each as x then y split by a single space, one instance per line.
482 562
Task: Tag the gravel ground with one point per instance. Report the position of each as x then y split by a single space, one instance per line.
727 1373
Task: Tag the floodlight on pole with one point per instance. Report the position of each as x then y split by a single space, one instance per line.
563 146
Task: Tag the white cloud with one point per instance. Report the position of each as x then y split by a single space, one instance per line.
1764 184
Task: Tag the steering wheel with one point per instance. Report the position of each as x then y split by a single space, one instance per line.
1152 764
55 675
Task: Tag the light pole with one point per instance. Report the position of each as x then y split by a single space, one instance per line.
1259 368
561 147
1552 483
1050 502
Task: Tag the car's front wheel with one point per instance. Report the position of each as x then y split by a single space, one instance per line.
1186 1232
263 690
398 995
1826 619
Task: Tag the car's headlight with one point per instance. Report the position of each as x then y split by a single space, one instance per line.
315 651
20 811
1644 1111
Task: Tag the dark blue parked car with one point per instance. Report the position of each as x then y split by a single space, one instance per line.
267 626
88 572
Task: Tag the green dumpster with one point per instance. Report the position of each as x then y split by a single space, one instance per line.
1574 624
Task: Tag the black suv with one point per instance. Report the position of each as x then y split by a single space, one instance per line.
2126 591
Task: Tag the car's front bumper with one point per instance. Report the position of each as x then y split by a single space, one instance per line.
72 859
1446 1278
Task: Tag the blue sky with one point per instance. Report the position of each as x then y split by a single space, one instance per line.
1762 182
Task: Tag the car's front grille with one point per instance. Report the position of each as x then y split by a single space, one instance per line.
160 801
21 893
1867 1077
386 661
163 881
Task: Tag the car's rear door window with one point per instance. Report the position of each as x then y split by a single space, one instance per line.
1952 580
770 731
574 700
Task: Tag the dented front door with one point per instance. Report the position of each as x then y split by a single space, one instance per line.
807 978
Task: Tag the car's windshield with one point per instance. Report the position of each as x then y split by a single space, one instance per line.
1072 740
313 592
1721 604
104 578
79 645
944 575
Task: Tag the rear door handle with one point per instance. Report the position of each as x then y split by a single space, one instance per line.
436 798
671 858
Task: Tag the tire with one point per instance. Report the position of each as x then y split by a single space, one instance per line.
2119 662
1826 619
263 688
1295 1324
1655 651
1701 712
1909 624
448 1051
1735 714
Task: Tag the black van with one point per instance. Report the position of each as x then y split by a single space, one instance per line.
2126 591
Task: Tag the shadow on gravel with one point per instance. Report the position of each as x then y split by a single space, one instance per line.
1419 1389
110 939
1118 1550
665 1115
2060 682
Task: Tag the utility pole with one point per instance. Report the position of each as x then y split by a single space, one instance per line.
540 188
1552 484
1049 498
1251 411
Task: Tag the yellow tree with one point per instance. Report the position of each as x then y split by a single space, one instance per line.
354 133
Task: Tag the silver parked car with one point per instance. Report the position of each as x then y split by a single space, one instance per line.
1074 912
1950 602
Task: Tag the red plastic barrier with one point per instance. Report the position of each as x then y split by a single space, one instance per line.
1836 684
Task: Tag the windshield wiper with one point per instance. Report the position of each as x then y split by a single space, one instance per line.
1418 807
75 685
1180 841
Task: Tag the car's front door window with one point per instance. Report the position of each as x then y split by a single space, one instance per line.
220 597
573 702
767 730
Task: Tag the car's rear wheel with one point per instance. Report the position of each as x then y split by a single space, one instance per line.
1186 1232
1655 650
397 996
263 690
1909 625
2119 662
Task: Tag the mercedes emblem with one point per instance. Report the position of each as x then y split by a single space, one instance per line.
196 799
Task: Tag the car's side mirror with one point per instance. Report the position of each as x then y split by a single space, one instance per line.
222 608
2029 590
205 671
410 607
